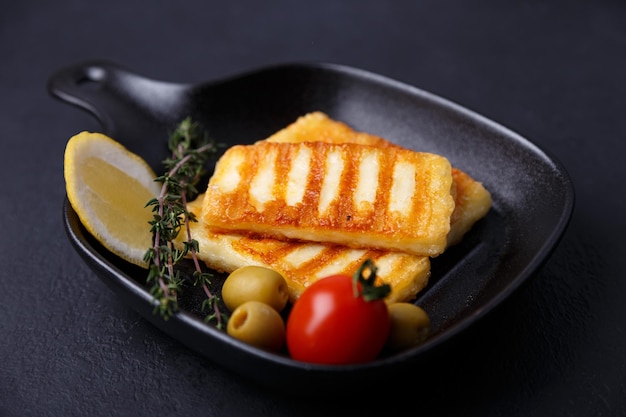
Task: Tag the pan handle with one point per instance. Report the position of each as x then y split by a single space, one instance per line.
111 92
132 109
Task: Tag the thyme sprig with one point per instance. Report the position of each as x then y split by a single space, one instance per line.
191 148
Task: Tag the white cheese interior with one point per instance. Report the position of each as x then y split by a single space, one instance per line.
332 177
298 174
368 180
263 182
403 188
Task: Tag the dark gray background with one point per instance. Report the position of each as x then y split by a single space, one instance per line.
554 72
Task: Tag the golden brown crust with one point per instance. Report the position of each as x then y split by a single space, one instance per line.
405 205
318 127
304 263
472 200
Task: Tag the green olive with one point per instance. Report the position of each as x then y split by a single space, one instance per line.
410 326
255 283
257 324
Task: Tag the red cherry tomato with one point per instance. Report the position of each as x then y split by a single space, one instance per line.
339 320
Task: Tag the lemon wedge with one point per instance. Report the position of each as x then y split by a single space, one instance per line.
108 186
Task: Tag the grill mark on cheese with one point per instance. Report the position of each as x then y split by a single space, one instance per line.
303 263
304 253
410 211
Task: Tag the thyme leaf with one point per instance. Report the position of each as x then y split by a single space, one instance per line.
190 148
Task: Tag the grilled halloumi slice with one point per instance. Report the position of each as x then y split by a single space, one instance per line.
319 127
349 194
304 263
472 200
472 203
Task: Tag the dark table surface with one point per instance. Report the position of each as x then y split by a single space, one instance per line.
555 72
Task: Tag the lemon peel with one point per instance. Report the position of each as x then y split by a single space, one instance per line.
108 186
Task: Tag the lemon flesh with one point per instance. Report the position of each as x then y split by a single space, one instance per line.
108 186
